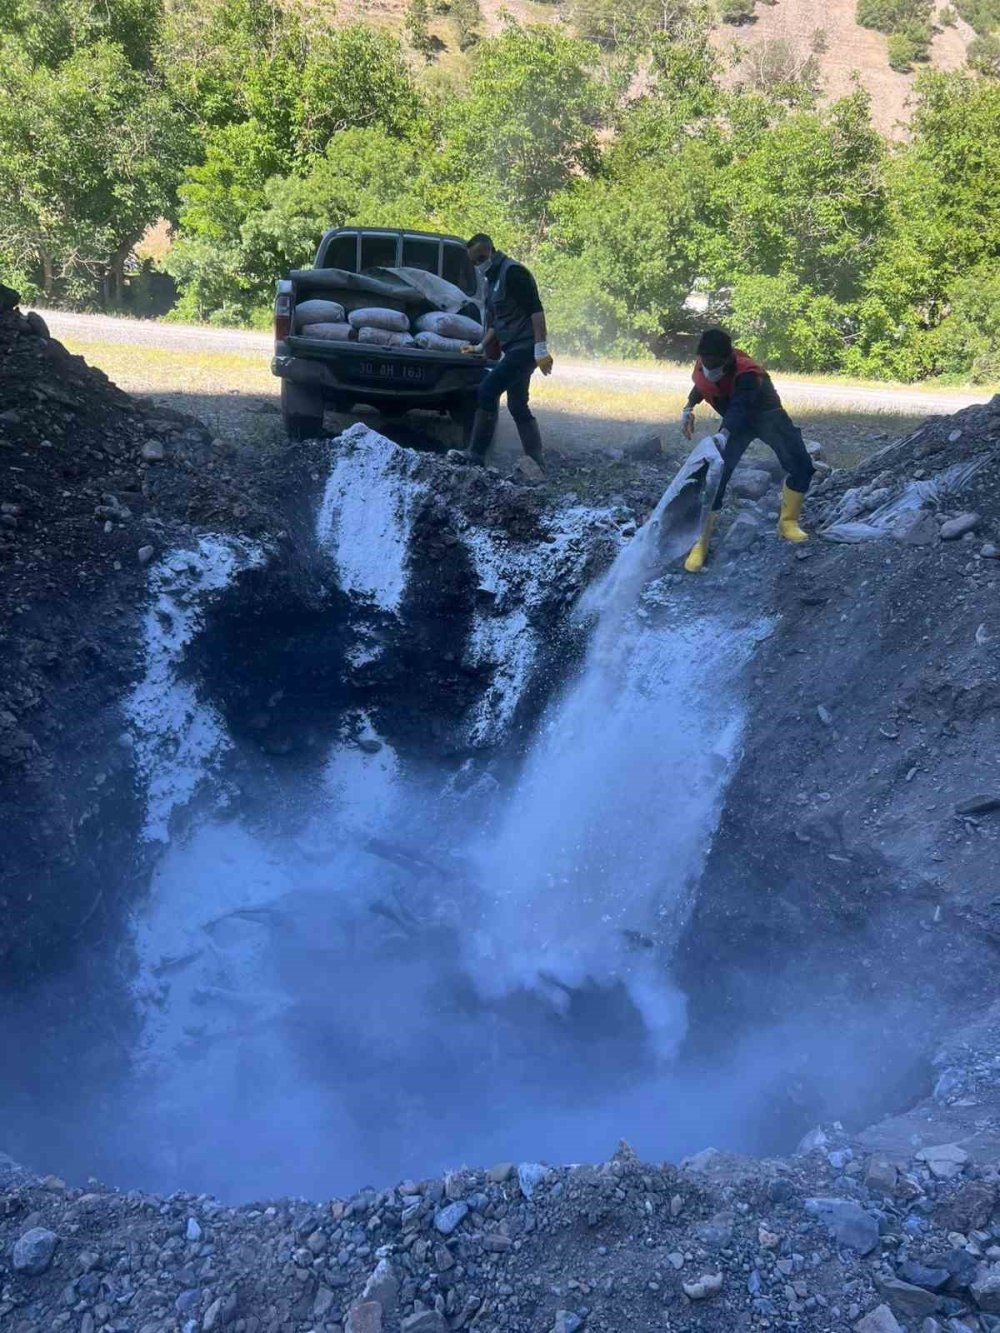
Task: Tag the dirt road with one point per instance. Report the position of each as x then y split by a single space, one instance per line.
637 379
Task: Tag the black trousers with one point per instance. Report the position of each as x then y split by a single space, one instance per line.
780 433
511 376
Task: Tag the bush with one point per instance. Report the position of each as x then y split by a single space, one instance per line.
948 17
981 15
903 52
967 341
736 11
983 56
788 324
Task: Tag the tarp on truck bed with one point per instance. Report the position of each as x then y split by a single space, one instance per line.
401 286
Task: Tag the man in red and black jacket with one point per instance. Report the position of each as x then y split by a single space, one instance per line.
741 391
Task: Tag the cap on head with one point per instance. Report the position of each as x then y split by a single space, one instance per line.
480 247
715 345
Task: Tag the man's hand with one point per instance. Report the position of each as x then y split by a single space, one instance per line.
473 349
720 439
542 358
687 423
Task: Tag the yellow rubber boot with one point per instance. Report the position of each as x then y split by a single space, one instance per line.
791 508
699 551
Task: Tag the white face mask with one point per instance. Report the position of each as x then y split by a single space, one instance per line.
483 267
713 376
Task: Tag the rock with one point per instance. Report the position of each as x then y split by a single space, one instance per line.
743 532
751 484
717 1233
881 1176
567 1321
945 1160
153 452
449 1217
188 1301
815 450
970 1207
990 552
958 527
881 1320
213 1316
701 1161
977 805
847 1222
145 554
707 1286
503 1171
497 1243
9 298
193 1231
529 1176
365 1317
383 1286
916 528
908 1300
646 448
426 1321
37 325
920 1275
32 1252
986 1290
323 1303
527 471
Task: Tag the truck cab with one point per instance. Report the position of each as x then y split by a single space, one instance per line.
358 267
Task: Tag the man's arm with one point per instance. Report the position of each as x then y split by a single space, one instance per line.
695 397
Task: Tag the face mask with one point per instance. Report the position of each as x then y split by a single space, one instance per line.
713 376
483 266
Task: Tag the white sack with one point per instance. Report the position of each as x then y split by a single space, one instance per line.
384 338
334 333
433 342
451 326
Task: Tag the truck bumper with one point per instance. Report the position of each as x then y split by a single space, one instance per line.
379 375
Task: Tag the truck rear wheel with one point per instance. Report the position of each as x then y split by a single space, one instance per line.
301 411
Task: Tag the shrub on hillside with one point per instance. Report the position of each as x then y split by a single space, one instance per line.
983 56
982 15
736 11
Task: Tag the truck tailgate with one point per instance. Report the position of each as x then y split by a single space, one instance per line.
367 365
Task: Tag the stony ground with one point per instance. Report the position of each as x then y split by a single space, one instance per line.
832 1239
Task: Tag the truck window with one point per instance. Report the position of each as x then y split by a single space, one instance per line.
378 252
342 252
421 253
458 268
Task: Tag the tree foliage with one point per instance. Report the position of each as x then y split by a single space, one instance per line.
625 162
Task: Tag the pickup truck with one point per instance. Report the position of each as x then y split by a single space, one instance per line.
358 267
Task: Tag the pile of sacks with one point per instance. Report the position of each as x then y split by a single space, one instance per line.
436 331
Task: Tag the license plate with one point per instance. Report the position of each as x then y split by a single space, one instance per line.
390 372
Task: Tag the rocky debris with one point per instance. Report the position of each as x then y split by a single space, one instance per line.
945 1160
33 1251
880 1320
916 528
751 483
954 528
723 1244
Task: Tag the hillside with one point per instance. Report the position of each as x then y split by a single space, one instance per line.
781 36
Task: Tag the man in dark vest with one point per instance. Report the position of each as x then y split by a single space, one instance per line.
515 324
741 392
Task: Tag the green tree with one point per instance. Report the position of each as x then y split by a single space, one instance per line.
90 152
50 31
467 16
418 28
527 126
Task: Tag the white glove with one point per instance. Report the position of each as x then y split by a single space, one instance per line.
474 349
543 358
720 439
